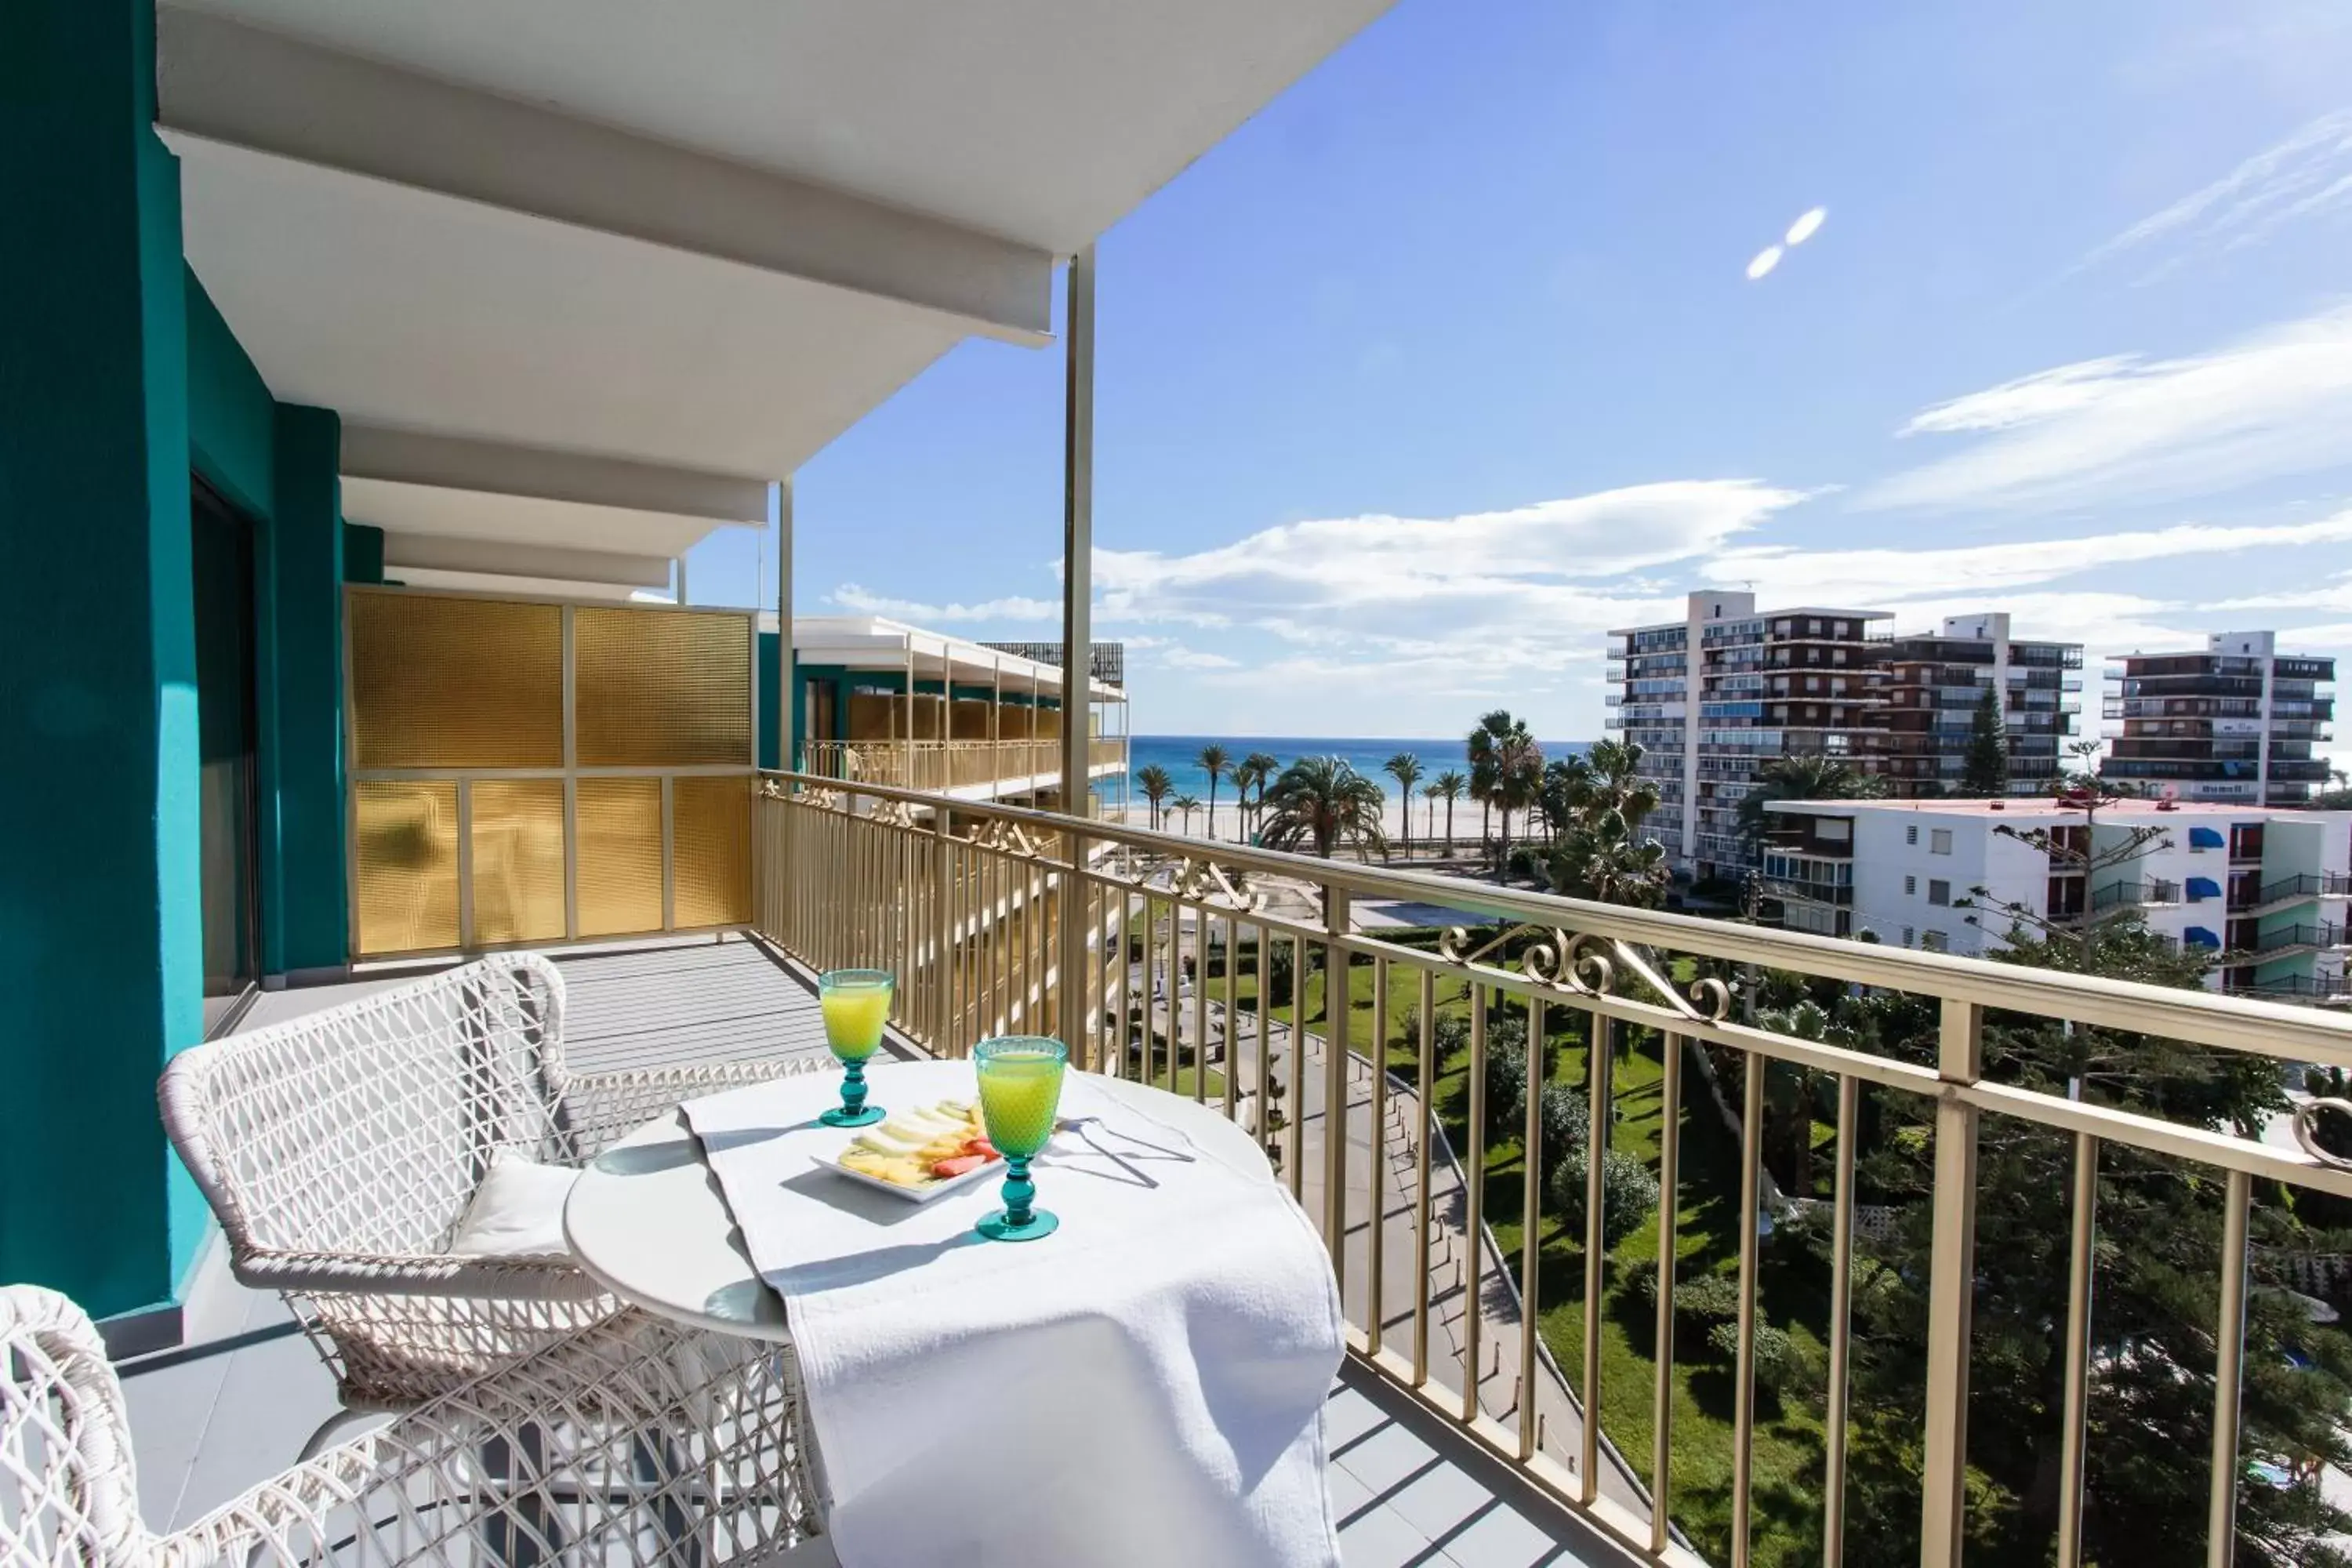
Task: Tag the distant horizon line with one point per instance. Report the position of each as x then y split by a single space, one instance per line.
1221 736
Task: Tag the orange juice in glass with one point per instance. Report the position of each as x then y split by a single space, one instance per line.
856 1005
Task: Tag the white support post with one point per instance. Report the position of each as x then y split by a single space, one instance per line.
1077 630
779 515
678 569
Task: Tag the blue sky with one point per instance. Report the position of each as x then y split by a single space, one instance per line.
1451 359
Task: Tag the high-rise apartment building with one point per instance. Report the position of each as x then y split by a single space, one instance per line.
1714 696
2233 722
1936 681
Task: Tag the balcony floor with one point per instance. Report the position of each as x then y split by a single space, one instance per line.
237 1404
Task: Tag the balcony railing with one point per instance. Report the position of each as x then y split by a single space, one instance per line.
2116 895
1133 947
950 765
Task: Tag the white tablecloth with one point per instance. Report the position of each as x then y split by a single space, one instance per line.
1143 1387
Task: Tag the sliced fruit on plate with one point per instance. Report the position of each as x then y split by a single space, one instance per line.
961 1165
981 1147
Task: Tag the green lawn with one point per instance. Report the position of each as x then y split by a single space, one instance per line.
1792 1288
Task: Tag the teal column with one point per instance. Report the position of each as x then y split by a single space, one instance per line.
362 554
774 685
305 815
101 952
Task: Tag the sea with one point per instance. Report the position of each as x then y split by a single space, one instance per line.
1180 754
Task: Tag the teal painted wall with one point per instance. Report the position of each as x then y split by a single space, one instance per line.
99 952
774 683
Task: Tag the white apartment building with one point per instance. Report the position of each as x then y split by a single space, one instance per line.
2266 890
1936 681
1711 697
2233 721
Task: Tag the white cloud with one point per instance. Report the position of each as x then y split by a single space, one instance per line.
1766 259
2123 428
2307 174
1177 657
1807 225
1327 571
2041 395
850 597
2334 635
2337 596
1865 578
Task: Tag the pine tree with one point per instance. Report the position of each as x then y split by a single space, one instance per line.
1984 771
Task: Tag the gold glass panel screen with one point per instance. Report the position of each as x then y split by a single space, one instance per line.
710 850
456 683
407 840
660 688
517 863
620 849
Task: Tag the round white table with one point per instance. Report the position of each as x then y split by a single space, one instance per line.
647 1220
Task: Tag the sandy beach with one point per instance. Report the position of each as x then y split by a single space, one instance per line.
1227 824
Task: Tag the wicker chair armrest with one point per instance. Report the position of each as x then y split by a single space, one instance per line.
605 1107
464 1276
527 1456
287 1519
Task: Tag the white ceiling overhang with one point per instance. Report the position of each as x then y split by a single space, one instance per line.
629 263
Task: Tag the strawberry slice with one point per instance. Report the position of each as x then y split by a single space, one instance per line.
962 1164
981 1147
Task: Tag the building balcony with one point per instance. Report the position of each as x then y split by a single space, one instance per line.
1147 966
983 769
2149 893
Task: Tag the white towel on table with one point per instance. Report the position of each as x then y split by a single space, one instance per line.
1143 1387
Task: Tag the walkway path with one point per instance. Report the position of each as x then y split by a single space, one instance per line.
1559 1416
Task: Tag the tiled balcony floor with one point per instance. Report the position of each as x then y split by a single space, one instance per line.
239 1402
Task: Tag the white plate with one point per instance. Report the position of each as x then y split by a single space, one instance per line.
912 1195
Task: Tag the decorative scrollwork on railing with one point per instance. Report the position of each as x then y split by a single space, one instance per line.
1203 882
1006 837
1586 964
894 813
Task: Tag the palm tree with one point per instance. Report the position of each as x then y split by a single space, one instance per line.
1505 761
1813 775
1608 860
1601 801
1321 800
1212 761
1433 795
1188 805
1405 768
1484 773
1448 788
1157 786
1263 766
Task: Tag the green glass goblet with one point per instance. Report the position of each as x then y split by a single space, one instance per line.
856 1005
1021 1100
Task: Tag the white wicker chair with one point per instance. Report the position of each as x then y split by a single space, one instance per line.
339 1152
631 1442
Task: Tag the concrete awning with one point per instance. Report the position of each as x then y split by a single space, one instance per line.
582 277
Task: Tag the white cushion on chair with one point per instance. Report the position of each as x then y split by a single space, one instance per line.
518 1211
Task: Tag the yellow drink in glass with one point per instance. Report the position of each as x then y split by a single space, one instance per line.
854 1016
855 1003
1021 1100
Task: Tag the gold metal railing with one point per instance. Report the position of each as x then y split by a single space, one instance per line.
1130 944
947 765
